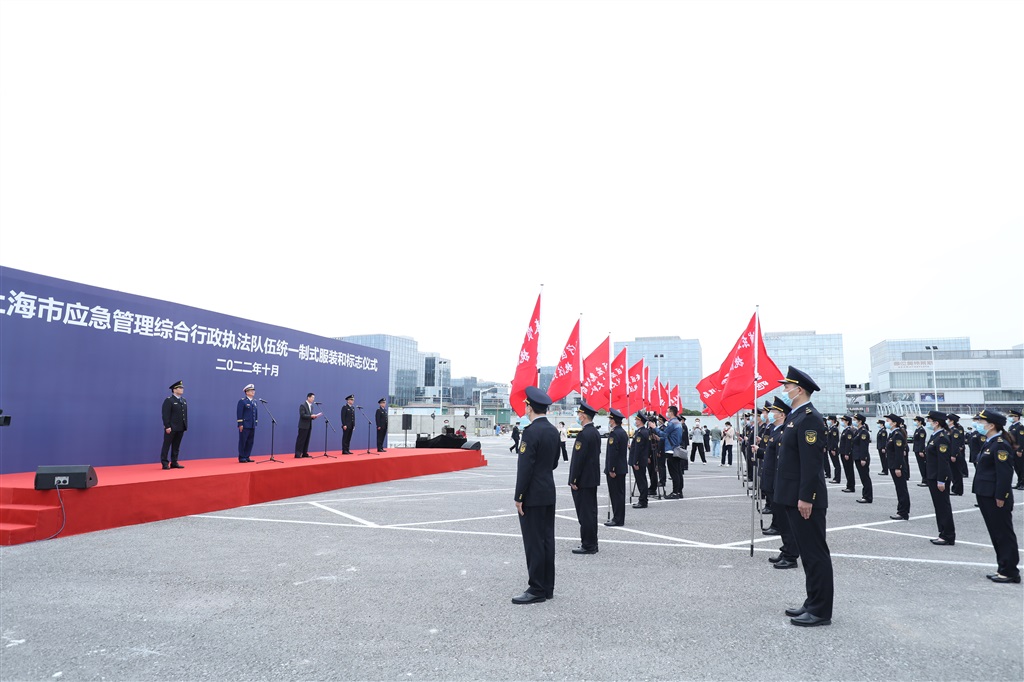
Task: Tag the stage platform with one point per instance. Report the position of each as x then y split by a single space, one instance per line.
140 493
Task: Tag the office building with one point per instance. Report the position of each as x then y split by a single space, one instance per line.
675 360
820 356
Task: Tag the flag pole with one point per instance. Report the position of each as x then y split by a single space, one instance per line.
610 361
629 469
536 379
755 502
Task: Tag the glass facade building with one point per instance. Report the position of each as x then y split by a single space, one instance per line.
407 366
682 363
820 356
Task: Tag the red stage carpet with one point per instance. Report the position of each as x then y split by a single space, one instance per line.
140 493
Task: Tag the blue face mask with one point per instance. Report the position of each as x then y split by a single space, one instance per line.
981 428
786 399
928 426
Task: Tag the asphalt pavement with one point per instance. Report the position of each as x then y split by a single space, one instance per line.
413 580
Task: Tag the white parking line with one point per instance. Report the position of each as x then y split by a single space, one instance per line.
390 497
914 535
371 524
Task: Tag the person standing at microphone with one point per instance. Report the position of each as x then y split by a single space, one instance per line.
382 423
348 424
247 414
306 417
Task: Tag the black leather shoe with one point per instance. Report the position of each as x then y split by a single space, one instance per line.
785 563
940 541
175 465
768 511
639 506
863 501
991 575
527 598
922 484
380 449
809 620
770 531
306 456
883 473
580 550
775 559
165 465
849 490
793 613
549 597
612 523
298 456
836 482
899 517
1003 579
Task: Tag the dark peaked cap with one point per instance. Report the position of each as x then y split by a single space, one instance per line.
795 376
537 396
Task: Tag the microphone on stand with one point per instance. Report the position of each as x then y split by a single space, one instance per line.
262 400
317 402
359 407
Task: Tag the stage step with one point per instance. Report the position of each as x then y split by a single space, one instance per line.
27 522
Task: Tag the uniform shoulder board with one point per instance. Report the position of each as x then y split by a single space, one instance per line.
999 439
808 411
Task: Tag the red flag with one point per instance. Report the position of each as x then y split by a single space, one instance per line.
567 373
635 387
710 392
652 397
737 376
673 398
617 373
526 370
663 398
594 388
645 391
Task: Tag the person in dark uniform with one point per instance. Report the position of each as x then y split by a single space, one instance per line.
920 439
615 468
846 452
306 417
247 413
348 424
975 441
937 454
640 457
763 434
382 423
800 489
832 448
535 497
899 467
1016 429
995 498
175 415
748 453
958 444
765 454
862 458
880 439
789 551
515 438
585 477
671 436
658 465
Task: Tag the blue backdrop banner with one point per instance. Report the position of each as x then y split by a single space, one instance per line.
84 372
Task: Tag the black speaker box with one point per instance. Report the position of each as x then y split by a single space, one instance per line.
406 422
471 445
65 476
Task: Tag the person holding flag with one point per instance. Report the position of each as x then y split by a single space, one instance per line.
615 468
585 477
801 492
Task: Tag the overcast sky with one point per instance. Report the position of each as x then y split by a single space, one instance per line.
421 168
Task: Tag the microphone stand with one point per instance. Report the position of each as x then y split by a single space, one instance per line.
369 427
273 423
327 422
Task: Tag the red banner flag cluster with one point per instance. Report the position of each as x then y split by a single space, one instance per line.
526 370
567 373
635 389
594 389
736 384
617 377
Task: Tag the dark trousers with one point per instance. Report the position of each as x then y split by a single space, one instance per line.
790 549
999 522
382 433
346 439
817 560
245 441
675 472
727 454
848 469
537 525
865 478
640 476
837 466
883 456
302 442
662 479
750 463
585 500
1018 465
565 455
828 467
921 466
943 511
617 495
172 442
697 449
902 494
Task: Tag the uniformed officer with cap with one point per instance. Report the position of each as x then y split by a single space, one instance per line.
899 467
535 497
958 444
937 456
789 551
585 477
175 416
800 489
348 424
832 448
381 418
846 452
247 414
991 485
640 457
881 438
920 440
615 468
1016 429
862 458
